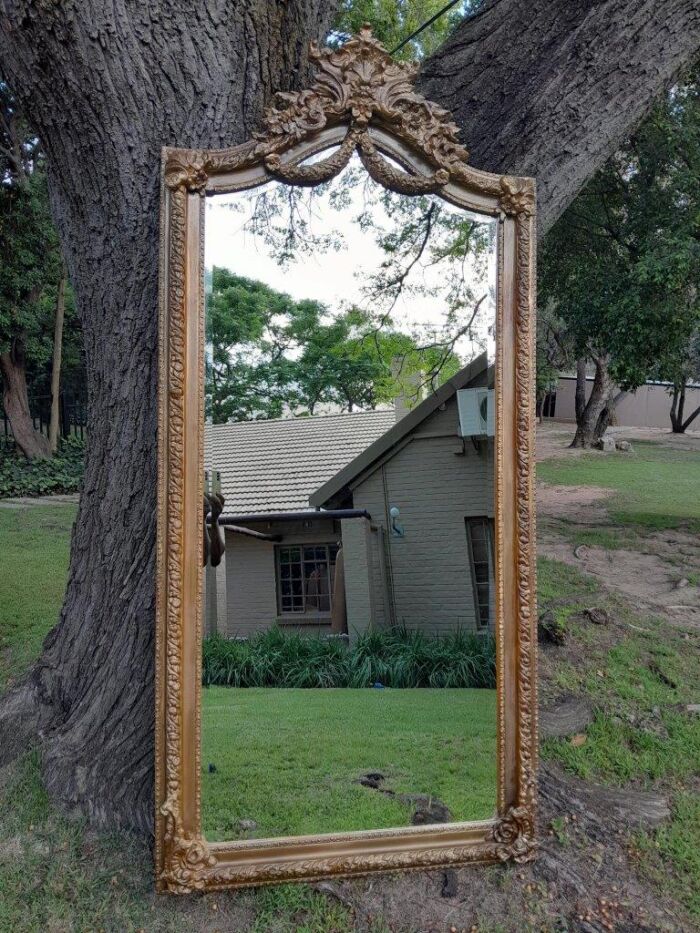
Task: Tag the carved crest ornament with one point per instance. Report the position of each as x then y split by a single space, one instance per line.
358 85
360 101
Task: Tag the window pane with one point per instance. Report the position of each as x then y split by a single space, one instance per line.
478 534
305 578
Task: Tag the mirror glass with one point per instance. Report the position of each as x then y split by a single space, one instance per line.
348 660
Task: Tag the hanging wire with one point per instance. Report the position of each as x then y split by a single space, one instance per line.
429 22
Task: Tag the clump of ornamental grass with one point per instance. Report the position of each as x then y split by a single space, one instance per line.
395 657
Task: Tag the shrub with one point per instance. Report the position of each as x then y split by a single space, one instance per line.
393 657
60 474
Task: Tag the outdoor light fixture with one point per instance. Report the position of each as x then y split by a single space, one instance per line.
396 528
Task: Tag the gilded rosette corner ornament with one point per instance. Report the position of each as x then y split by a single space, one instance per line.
358 85
190 174
514 836
187 857
517 196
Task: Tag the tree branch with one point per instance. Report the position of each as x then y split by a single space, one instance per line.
556 103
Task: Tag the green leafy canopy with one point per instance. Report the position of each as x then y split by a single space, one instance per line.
269 355
621 268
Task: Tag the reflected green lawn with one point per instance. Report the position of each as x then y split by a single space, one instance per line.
289 760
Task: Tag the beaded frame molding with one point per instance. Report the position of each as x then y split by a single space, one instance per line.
360 101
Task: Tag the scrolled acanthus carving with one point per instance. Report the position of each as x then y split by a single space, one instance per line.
357 85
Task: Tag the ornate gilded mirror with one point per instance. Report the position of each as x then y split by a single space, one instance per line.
346 622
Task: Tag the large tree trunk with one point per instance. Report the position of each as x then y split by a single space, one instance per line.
15 400
106 85
587 424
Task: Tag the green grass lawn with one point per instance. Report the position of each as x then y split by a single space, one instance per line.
34 544
55 874
656 487
288 759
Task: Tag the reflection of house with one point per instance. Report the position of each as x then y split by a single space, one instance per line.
408 503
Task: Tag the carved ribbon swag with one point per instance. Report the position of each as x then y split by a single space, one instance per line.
356 85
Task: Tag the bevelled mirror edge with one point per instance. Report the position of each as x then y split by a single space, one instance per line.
184 859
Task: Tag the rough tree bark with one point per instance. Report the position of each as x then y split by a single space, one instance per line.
551 88
587 423
15 400
106 85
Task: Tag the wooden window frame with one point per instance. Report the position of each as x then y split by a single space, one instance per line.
468 521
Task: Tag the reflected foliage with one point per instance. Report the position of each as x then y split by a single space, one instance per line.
270 355
421 249
397 658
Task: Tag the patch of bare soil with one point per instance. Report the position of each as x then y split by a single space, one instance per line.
582 504
648 580
554 438
583 879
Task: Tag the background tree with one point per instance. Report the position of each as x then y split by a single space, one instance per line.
681 369
106 85
622 265
31 265
553 352
271 355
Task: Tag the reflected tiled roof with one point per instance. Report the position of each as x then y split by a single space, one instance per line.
274 466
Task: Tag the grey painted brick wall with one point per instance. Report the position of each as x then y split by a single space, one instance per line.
358 561
251 587
435 489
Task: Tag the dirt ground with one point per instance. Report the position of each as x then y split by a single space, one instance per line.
656 573
553 438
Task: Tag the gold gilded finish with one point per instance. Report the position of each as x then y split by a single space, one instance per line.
517 197
361 100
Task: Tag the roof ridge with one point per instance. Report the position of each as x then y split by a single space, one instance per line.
303 418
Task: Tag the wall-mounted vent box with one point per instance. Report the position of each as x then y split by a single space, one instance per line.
476 412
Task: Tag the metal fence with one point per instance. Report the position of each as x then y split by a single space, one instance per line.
72 412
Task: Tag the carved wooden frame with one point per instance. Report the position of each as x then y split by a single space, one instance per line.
361 100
